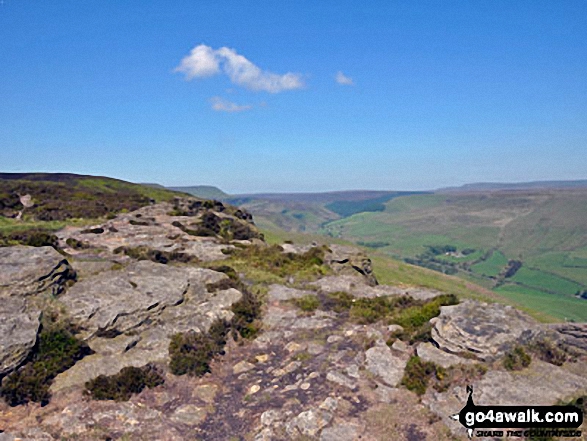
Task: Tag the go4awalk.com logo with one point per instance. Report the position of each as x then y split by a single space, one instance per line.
519 421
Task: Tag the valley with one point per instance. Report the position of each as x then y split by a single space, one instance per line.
475 233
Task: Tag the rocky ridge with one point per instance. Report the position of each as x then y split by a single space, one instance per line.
133 281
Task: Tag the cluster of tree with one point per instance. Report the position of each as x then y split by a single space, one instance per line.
428 259
582 294
511 269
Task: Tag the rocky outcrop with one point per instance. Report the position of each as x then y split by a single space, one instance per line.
27 271
117 301
201 232
348 260
358 286
483 330
572 334
128 317
428 352
18 333
281 293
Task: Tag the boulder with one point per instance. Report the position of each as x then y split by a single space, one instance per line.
484 330
28 270
161 301
18 333
380 361
349 260
118 301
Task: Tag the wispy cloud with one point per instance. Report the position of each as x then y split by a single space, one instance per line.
342 79
221 105
203 61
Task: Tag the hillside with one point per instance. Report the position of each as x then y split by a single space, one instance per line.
181 320
60 196
203 191
470 234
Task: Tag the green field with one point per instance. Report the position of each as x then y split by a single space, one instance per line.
561 307
544 229
492 266
545 282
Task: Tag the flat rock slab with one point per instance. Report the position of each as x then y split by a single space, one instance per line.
429 352
24 270
572 334
340 432
122 300
379 360
18 332
356 285
282 293
484 330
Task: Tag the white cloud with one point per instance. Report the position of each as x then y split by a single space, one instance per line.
201 62
341 78
204 61
221 105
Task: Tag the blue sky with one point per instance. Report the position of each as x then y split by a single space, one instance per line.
244 95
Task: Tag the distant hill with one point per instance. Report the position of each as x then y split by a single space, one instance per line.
203 191
534 185
322 198
60 196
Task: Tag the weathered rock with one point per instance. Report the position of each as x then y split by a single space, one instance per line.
166 300
340 432
400 346
18 332
343 380
380 361
572 334
189 414
154 228
29 270
484 330
358 287
242 366
348 260
309 423
123 300
282 293
205 393
428 352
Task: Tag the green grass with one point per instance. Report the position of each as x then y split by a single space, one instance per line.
8 225
532 300
569 265
492 266
544 281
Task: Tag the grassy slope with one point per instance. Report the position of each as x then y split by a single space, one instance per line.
545 229
394 272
